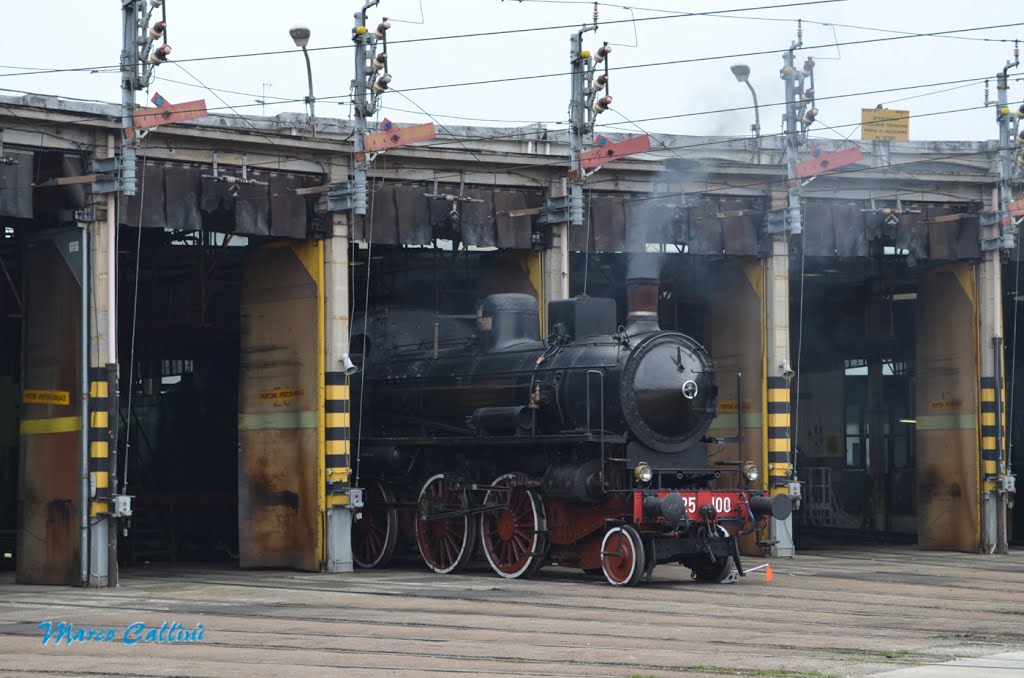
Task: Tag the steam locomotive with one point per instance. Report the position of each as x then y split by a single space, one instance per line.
583 449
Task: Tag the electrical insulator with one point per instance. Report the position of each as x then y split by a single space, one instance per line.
602 104
599 82
381 85
382 28
799 30
156 3
808 95
157 30
160 54
602 53
1020 111
380 61
809 117
809 65
595 12
1020 139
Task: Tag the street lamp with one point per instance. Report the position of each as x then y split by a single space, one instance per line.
300 34
742 73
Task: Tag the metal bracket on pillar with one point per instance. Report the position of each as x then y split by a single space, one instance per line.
341 197
354 494
1007 238
556 210
106 170
776 221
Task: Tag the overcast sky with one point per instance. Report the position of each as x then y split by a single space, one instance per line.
75 33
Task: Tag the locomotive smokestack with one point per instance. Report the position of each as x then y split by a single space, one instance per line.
643 276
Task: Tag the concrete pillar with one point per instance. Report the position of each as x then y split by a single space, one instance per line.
556 258
993 397
101 551
777 375
337 444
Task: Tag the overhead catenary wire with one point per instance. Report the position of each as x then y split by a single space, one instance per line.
483 34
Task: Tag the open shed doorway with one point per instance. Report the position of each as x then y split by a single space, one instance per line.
854 402
178 435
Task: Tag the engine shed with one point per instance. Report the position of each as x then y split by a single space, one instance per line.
187 346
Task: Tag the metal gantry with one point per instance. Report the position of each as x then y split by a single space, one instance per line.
138 60
371 80
800 114
584 107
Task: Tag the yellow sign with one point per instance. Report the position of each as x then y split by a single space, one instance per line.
883 124
281 394
727 406
46 398
949 404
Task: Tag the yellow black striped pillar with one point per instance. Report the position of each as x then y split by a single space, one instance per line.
780 464
99 441
338 436
993 426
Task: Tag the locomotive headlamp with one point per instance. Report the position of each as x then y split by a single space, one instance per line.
751 472
643 472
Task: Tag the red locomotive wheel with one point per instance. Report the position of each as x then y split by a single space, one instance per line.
445 543
375 533
622 556
514 536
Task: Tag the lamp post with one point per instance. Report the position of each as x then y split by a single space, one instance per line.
300 34
742 73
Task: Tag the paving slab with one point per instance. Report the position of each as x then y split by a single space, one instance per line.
842 612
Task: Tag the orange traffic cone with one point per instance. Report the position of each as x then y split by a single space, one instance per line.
768 575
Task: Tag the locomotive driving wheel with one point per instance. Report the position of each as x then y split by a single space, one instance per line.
514 534
622 556
375 534
445 534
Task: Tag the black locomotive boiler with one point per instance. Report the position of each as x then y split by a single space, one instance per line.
584 448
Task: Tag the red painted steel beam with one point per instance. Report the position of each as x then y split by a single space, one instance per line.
394 136
166 113
607 151
820 161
